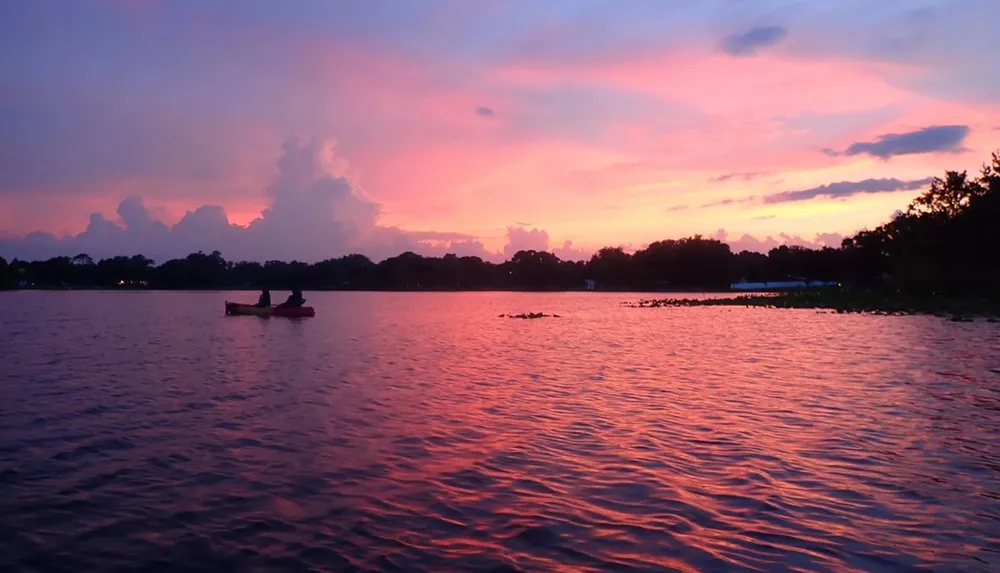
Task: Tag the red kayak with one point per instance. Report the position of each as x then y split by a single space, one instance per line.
236 308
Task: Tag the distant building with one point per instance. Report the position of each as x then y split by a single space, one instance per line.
782 285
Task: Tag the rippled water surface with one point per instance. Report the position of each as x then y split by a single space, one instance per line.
147 431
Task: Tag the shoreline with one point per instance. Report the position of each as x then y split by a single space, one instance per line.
959 309
692 290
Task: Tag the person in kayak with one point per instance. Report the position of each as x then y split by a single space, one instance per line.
265 299
295 300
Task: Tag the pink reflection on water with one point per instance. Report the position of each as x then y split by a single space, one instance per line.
419 430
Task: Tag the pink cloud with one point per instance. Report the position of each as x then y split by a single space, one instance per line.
768 125
708 81
521 239
569 252
433 162
747 242
422 158
313 212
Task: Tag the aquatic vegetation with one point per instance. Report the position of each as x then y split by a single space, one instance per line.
530 315
842 301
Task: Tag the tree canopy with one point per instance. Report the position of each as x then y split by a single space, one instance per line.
947 241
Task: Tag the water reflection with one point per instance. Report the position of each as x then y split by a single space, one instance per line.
419 432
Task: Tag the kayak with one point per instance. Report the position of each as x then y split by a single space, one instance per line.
236 308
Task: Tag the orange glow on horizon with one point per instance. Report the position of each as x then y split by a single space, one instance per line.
439 166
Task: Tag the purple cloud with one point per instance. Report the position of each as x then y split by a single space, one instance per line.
747 43
933 139
843 189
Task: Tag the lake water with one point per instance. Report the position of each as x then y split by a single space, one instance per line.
146 431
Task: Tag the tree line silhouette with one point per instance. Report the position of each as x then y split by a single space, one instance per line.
946 242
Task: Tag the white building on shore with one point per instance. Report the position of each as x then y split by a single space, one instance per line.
792 284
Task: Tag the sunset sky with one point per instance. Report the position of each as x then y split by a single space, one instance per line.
314 128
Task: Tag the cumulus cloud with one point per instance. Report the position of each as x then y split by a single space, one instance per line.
522 239
568 252
747 43
832 240
748 242
391 241
315 212
843 189
932 139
